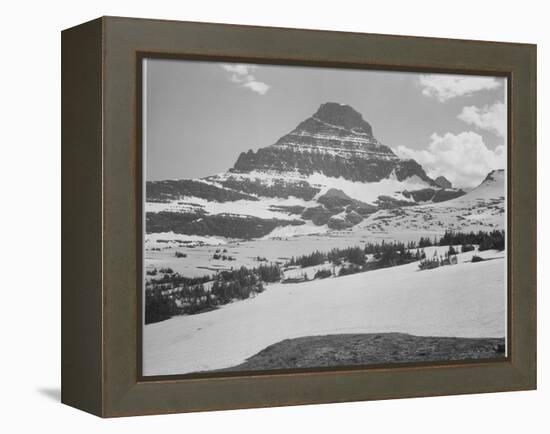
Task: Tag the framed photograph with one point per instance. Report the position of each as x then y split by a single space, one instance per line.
260 217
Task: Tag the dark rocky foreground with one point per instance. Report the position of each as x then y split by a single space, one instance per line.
370 349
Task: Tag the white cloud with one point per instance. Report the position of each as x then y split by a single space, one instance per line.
491 118
445 86
243 75
463 158
238 68
257 86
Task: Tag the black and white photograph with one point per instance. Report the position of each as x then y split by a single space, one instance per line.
286 217
300 217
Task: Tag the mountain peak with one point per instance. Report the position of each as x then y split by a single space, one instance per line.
443 182
494 176
343 115
492 187
337 142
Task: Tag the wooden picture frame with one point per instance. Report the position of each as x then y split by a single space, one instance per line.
102 227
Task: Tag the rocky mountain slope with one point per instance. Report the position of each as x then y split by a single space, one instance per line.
483 208
337 142
443 182
329 173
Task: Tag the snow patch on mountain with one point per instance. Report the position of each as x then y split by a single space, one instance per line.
294 231
265 177
265 208
335 151
160 238
368 192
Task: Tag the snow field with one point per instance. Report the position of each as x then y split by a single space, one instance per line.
464 300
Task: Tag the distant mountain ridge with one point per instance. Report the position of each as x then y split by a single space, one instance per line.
482 208
491 188
329 173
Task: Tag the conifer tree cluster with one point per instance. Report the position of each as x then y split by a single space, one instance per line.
486 240
174 294
439 260
168 293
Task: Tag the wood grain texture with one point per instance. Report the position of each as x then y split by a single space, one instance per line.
81 237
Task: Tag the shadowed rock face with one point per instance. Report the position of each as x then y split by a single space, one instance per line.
319 215
223 225
344 116
338 210
433 195
333 117
335 199
337 142
443 182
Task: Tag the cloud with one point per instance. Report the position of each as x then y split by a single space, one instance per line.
490 118
238 68
463 158
243 75
257 86
445 87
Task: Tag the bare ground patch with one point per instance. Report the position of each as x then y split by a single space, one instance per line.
369 349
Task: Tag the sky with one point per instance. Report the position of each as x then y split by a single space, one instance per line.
199 116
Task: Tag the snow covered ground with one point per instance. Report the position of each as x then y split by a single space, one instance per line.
464 300
159 238
279 246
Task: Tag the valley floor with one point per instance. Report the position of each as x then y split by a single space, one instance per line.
465 300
